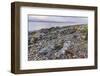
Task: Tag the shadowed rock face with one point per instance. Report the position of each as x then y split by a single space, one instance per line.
68 42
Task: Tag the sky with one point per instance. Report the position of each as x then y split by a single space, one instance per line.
37 22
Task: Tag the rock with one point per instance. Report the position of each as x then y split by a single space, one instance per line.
67 42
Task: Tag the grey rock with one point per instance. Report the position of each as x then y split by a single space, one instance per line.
67 42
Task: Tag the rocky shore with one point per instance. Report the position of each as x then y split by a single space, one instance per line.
67 42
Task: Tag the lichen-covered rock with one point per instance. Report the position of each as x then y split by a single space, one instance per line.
67 42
